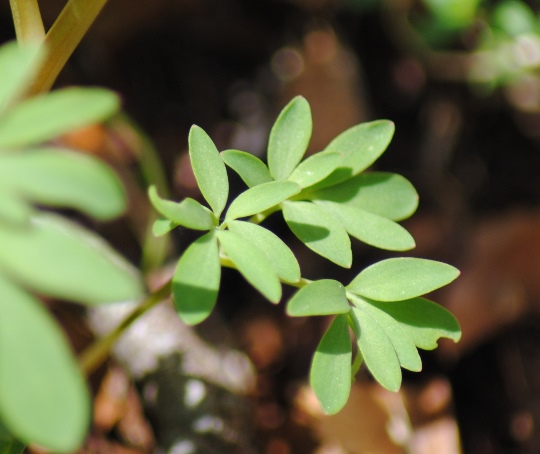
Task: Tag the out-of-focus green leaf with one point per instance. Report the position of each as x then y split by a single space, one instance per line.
453 13
319 231
195 283
17 66
12 208
324 297
60 259
277 252
424 320
377 350
330 375
370 228
399 279
399 336
50 115
209 169
8 444
64 178
260 198
515 18
386 194
289 138
315 168
163 226
250 168
252 263
43 396
188 212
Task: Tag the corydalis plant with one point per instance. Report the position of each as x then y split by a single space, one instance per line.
325 199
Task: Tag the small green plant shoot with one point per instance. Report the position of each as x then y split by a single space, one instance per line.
325 199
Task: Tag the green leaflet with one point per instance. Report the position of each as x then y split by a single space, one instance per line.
13 209
399 279
209 169
276 251
47 116
319 231
58 258
43 396
195 283
250 168
377 350
260 198
330 375
386 194
399 336
324 297
163 226
424 320
17 66
63 178
315 168
289 138
188 213
251 263
370 228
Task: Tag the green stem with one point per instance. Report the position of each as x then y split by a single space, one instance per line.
91 358
62 39
27 21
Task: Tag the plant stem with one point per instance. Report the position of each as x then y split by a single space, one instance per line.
62 39
91 358
27 21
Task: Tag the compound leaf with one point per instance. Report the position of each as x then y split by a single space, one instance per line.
330 375
43 396
196 280
188 213
386 194
315 168
64 178
260 198
289 138
209 169
377 349
324 297
370 228
58 258
251 263
250 168
319 231
276 251
424 320
403 278
50 115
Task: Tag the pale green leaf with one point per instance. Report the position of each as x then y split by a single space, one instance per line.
319 231
58 258
370 228
277 252
13 209
17 66
195 283
377 350
399 279
47 116
252 263
209 169
289 138
188 213
386 194
399 336
250 168
163 226
63 178
324 297
260 198
424 320
315 168
330 375
43 396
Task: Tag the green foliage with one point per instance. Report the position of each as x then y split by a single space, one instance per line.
43 396
324 199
